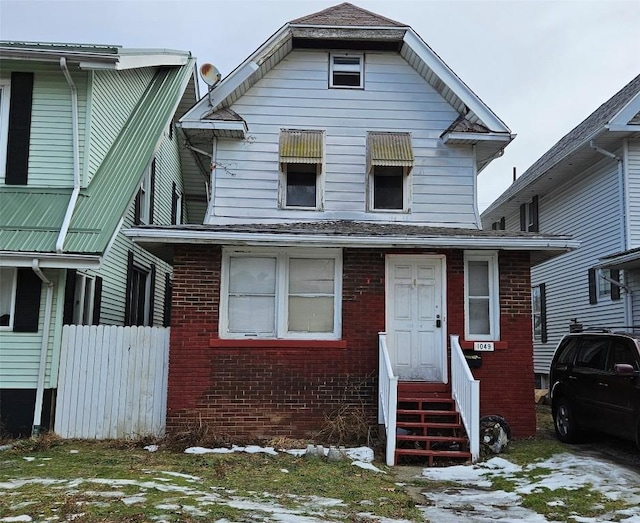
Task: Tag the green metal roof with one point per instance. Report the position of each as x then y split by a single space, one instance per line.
30 218
103 203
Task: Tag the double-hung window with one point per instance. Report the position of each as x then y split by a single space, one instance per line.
83 300
7 296
482 296
287 293
346 71
389 163
539 312
4 122
529 216
301 154
144 203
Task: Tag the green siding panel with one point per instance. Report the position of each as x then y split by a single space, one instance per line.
115 184
114 97
20 352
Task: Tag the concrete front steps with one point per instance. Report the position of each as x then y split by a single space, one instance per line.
429 430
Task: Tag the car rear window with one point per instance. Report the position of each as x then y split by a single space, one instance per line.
623 352
593 353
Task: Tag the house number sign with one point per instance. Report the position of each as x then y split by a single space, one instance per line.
486 346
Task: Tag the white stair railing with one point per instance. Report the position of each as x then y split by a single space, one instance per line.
387 397
466 392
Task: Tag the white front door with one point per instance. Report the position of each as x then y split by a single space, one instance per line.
415 317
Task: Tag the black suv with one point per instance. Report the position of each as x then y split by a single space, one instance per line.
595 384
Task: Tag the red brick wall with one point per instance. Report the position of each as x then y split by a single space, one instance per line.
254 390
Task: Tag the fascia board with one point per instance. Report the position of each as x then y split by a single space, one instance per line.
325 240
478 137
625 114
214 125
629 128
220 92
462 91
50 260
235 78
99 60
528 179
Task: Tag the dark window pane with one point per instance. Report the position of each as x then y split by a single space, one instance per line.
301 185
593 354
567 350
347 79
387 188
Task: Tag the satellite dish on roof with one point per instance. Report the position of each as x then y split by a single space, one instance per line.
210 75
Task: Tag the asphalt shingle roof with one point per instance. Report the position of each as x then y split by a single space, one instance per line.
347 14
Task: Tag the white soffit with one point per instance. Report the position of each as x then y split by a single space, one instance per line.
620 122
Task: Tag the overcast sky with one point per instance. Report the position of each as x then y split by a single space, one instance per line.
541 66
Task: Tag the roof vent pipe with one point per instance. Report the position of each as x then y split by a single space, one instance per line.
76 158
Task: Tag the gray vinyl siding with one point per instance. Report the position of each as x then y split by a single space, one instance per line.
587 207
51 141
295 95
114 96
633 177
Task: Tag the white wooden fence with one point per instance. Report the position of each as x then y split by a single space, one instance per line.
112 382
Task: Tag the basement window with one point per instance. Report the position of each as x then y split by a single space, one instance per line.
346 71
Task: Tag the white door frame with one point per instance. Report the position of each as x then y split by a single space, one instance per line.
443 285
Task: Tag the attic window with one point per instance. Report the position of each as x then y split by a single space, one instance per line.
346 71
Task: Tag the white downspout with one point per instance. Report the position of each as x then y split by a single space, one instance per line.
624 238
76 158
44 349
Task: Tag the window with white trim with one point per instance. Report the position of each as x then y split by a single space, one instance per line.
389 189
8 282
301 156
288 293
482 296
539 312
83 299
346 71
4 123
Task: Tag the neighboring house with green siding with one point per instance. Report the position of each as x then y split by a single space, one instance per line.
87 149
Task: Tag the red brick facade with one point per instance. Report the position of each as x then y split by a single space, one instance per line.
253 389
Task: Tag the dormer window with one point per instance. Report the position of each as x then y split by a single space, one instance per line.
389 163
301 158
346 71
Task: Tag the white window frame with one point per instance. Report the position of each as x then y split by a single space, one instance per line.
346 68
494 295
5 94
145 196
603 284
284 184
536 311
406 190
12 310
282 257
83 299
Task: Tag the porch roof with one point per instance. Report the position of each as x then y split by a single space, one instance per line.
629 260
345 233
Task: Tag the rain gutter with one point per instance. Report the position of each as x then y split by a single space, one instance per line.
44 349
76 158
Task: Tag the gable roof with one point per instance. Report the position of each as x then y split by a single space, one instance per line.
346 14
31 217
346 25
580 137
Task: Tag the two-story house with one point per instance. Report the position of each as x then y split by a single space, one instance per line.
586 185
342 236
87 147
